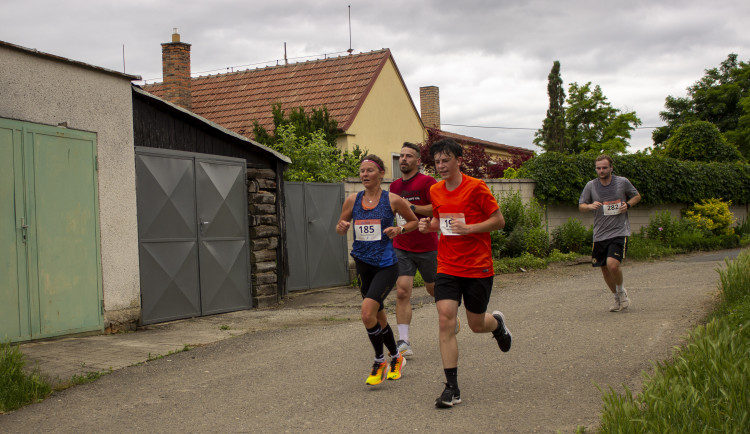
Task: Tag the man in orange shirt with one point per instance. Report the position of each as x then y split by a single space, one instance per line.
466 212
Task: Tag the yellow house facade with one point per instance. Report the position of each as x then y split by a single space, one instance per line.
386 120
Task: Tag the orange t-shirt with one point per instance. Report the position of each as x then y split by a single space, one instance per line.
464 255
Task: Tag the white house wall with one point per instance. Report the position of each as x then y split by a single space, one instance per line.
47 91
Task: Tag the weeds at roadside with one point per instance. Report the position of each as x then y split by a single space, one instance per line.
224 327
703 388
17 386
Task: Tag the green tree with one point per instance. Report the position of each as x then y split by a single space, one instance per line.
304 124
551 137
313 158
700 141
721 97
592 124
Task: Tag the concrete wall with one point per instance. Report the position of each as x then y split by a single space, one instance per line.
52 91
386 119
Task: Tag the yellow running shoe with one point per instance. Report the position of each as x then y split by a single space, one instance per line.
396 366
378 373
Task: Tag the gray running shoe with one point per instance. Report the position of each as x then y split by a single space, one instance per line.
502 334
624 300
449 397
404 348
616 307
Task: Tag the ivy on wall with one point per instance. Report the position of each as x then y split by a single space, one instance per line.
560 178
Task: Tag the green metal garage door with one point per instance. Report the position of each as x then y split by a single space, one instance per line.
50 269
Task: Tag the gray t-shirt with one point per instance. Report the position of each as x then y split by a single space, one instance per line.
607 223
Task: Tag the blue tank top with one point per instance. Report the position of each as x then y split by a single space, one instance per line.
369 224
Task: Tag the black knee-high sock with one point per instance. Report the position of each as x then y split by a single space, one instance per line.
451 377
389 340
376 338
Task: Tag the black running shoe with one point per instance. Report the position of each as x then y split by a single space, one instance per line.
449 397
502 334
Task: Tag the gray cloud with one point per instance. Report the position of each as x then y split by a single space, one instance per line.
490 58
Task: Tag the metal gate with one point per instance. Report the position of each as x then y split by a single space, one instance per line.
50 266
317 254
192 234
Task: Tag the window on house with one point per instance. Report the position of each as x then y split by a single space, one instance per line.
395 166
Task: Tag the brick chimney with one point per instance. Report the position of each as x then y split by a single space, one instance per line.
429 102
175 61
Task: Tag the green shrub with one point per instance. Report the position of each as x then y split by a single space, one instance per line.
17 387
647 249
712 215
572 236
560 178
661 227
536 241
523 227
701 141
515 244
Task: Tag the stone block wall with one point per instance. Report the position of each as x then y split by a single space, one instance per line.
264 235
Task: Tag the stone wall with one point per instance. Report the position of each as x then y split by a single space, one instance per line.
264 235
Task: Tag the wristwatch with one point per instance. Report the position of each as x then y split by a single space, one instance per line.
413 208
402 229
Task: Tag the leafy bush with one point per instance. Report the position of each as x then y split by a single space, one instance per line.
523 229
647 249
661 227
712 215
560 178
701 141
515 243
314 159
572 236
536 241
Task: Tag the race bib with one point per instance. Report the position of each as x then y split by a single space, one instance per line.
612 208
448 218
367 230
400 221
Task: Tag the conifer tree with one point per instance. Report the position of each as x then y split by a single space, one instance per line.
551 136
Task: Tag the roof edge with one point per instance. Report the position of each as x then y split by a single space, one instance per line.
214 125
35 52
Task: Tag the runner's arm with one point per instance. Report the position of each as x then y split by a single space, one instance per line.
346 215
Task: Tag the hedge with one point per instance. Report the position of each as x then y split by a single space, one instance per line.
560 178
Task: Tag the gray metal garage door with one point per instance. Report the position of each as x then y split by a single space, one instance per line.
317 254
193 234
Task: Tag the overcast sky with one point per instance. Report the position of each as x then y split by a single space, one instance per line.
490 58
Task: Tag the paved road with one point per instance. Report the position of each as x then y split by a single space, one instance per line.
312 377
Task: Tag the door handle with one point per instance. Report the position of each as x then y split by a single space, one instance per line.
24 228
203 223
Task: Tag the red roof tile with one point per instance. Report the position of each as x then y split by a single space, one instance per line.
466 140
234 100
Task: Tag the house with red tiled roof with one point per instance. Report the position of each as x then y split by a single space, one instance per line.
364 93
429 101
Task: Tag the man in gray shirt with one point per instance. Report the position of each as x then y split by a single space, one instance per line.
610 197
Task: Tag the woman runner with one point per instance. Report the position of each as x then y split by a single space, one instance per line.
372 213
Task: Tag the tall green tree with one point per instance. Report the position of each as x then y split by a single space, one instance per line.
592 124
551 137
721 97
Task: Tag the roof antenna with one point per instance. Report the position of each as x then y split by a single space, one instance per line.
350 31
286 62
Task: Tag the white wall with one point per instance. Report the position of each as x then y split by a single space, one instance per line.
44 90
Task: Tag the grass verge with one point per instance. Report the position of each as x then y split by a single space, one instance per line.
705 387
